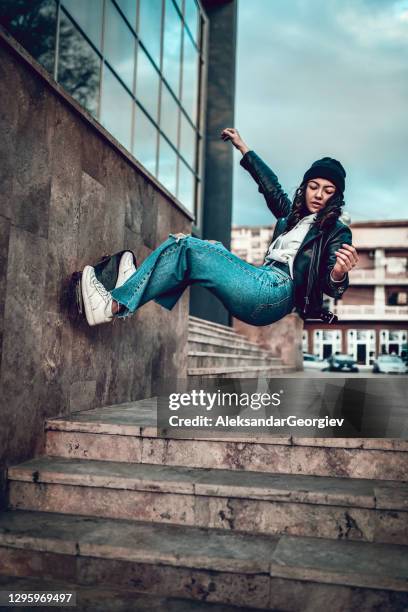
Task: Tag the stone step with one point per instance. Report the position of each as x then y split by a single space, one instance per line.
204 334
128 432
209 324
100 598
223 346
239 371
209 359
338 508
260 571
198 327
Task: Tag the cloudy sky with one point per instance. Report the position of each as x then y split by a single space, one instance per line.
324 77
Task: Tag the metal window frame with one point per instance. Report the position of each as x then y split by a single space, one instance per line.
199 128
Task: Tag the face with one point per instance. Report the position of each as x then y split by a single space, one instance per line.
318 193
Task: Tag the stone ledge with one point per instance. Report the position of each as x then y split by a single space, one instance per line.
139 419
267 358
233 337
362 493
217 341
212 324
264 370
341 562
173 545
354 564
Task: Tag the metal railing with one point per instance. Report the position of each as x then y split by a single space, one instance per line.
376 275
373 310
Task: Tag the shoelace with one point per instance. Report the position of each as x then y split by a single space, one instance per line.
104 293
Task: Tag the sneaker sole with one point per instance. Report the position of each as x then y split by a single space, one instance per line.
76 292
86 272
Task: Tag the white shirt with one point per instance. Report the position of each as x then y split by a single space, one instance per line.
285 246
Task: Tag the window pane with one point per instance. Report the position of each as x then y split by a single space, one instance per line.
191 15
187 141
172 46
150 27
88 16
116 108
119 45
78 66
186 187
147 84
128 8
145 141
190 78
169 115
33 24
167 166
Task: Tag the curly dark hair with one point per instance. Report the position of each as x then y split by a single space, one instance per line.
326 217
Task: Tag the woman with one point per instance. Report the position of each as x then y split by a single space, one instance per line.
310 253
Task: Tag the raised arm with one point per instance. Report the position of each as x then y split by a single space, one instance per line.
339 257
277 200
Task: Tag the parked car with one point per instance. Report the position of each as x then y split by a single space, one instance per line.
313 362
340 362
389 364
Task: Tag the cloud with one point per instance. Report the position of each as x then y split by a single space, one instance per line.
319 78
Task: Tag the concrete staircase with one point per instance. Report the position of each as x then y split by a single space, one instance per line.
217 351
288 524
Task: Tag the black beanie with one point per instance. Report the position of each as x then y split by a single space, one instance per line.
327 168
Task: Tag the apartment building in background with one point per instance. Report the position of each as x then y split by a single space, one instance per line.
373 313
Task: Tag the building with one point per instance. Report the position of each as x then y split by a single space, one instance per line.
140 79
108 110
373 314
148 71
251 243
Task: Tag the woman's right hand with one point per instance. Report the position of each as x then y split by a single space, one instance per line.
234 136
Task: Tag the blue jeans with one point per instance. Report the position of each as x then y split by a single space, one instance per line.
258 296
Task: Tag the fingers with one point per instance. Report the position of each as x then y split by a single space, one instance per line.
348 256
228 133
346 259
352 250
350 253
343 262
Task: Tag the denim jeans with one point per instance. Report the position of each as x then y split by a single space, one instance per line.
256 295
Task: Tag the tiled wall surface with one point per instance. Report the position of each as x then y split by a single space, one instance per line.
67 197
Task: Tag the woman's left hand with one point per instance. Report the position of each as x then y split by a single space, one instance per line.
346 259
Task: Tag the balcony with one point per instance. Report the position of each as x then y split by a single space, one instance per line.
372 312
377 276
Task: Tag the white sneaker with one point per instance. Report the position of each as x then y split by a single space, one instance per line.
97 300
126 269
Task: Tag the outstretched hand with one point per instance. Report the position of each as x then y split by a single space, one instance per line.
234 136
346 259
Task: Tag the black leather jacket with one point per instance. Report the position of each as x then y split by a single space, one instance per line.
315 258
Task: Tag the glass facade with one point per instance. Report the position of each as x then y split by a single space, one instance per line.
135 66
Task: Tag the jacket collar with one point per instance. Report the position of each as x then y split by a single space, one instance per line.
313 233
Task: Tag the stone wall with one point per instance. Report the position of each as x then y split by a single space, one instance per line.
283 339
69 194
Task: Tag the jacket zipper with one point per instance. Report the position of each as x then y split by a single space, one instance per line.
309 279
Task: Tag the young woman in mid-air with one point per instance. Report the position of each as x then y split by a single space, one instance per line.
310 254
